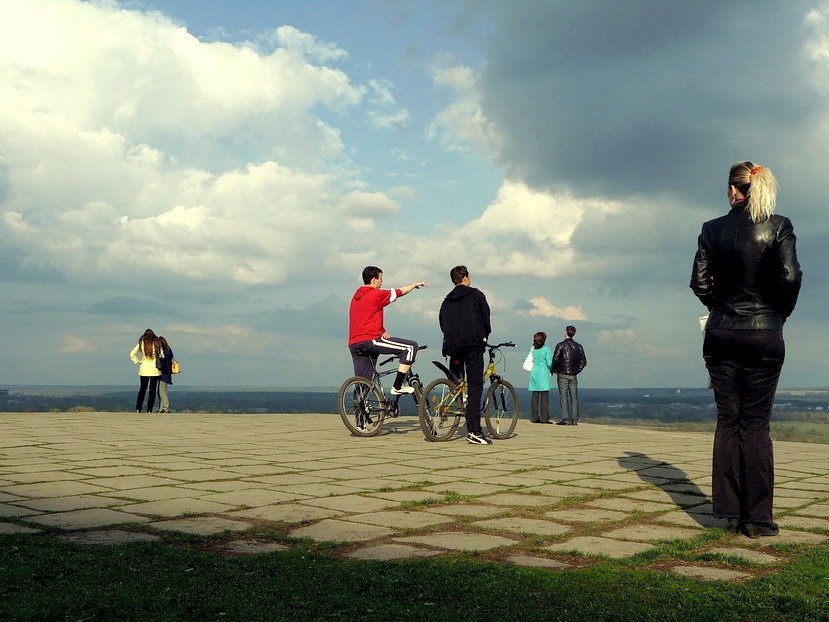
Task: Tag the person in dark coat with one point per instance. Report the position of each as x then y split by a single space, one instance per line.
464 320
747 274
165 366
568 362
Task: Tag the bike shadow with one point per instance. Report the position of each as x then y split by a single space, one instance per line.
668 478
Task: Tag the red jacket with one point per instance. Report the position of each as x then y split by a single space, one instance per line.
365 315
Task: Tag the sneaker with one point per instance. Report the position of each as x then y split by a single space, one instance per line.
404 390
478 439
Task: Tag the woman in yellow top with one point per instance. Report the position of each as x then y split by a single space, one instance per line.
149 348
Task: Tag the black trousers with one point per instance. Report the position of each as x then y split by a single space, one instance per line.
540 406
744 366
470 358
142 389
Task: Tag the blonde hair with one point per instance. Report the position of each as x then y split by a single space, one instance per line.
758 184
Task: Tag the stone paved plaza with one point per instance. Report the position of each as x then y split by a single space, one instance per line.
554 497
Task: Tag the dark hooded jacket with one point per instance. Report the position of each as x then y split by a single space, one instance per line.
747 274
464 318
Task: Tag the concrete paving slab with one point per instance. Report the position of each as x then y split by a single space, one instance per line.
10 528
65 504
399 519
472 489
587 515
560 491
386 552
45 476
623 504
790 536
818 510
536 562
709 573
459 541
15 511
156 493
518 524
352 503
333 530
467 509
644 532
176 507
517 499
408 495
316 490
113 470
250 497
749 555
129 482
660 496
201 525
607 547
86 519
249 547
694 521
107 537
285 513
54 489
793 521
602 484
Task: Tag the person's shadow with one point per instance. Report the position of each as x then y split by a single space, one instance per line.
669 479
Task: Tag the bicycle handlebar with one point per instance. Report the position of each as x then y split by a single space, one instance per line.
506 344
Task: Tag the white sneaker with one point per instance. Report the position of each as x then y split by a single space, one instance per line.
478 439
404 390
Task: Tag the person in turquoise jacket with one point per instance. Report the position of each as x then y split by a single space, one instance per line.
540 379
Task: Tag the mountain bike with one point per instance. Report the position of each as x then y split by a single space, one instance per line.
444 401
363 404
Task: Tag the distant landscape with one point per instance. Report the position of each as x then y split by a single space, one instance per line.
799 414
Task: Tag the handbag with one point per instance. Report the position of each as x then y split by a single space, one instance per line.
175 367
528 362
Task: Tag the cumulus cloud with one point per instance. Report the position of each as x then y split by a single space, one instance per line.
385 112
462 125
130 146
541 307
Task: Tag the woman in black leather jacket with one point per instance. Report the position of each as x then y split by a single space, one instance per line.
746 272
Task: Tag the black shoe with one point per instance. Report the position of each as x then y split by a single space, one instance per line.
760 530
535 422
563 422
733 525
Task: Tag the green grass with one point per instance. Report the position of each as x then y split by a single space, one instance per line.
45 579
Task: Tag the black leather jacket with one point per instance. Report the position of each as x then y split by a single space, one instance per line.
747 274
568 358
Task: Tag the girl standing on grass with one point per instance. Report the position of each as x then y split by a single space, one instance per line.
148 373
540 383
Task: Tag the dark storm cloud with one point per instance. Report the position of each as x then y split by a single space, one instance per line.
622 98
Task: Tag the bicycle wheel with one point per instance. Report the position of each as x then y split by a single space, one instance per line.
501 409
441 409
361 406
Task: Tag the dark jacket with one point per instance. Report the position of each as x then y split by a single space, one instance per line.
464 318
568 358
165 365
747 274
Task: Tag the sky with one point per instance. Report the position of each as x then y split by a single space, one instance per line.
221 172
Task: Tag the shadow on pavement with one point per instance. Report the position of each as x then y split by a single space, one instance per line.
664 476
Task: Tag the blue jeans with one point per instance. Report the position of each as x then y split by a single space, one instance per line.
568 396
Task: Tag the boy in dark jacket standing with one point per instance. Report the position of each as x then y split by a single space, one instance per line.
464 320
568 361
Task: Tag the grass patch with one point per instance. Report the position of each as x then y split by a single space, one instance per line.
794 431
42 578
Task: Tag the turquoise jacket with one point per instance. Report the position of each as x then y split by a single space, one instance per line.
540 379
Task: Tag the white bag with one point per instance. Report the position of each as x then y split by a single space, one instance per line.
528 362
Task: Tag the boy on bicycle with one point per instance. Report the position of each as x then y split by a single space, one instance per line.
366 330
